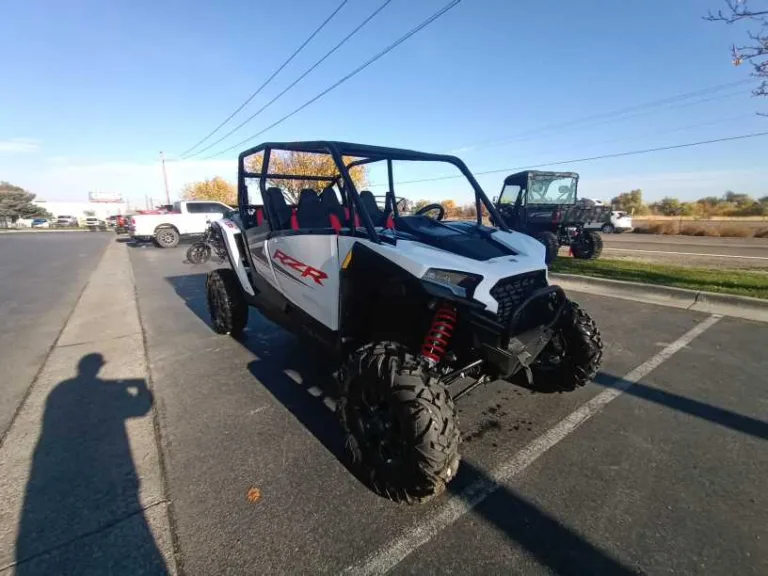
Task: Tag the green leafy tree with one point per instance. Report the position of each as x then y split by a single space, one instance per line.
735 198
15 202
668 207
630 202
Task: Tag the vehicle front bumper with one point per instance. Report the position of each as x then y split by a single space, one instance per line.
514 346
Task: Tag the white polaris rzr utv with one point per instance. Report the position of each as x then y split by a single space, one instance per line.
407 305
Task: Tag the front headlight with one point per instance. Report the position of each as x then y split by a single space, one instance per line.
460 283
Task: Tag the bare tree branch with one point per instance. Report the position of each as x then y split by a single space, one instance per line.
755 53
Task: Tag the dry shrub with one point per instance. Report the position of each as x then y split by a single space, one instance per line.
711 231
735 232
693 231
762 233
667 228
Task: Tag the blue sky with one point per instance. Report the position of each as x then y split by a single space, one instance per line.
92 90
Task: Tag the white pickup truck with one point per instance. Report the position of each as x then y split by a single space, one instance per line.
187 219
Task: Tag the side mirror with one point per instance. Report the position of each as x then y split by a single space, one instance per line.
495 199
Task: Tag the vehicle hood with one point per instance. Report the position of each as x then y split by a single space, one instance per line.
465 239
521 254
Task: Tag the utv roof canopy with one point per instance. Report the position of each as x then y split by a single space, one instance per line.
361 154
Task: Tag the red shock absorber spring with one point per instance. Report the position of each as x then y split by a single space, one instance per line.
439 334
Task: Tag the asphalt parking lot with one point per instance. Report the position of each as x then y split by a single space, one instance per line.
41 277
665 475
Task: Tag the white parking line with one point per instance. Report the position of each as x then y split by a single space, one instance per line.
687 253
394 552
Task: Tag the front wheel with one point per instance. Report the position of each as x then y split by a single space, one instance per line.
573 355
199 253
608 229
551 245
226 303
589 247
401 424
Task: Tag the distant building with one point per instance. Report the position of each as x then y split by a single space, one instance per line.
111 197
81 210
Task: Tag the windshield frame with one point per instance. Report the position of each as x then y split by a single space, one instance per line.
552 177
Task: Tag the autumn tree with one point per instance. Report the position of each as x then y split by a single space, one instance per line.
630 202
215 188
305 164
451 210
15 202
419 204
755 51
668 207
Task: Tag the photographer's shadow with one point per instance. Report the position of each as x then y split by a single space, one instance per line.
82 513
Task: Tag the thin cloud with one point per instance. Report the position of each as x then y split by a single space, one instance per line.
20 145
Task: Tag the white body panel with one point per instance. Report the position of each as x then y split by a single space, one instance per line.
184 221
417 258
229 232
307 271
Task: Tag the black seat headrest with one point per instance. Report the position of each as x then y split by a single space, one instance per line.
331 202
310 212
370 206
278 207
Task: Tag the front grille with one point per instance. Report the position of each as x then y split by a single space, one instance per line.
511 292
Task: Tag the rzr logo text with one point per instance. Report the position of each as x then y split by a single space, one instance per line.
289 261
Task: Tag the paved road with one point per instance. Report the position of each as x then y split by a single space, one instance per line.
668 477
41 277
689 250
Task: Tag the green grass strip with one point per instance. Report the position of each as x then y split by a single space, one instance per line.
754 284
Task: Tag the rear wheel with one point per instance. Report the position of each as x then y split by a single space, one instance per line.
167 237
589 247
608 229
226 304
573 356
551 243
199 253
401 425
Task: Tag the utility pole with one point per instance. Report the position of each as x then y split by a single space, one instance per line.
165 180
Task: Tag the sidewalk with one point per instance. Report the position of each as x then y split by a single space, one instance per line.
81 487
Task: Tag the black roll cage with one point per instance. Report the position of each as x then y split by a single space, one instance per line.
366 155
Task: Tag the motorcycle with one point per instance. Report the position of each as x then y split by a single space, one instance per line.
210 243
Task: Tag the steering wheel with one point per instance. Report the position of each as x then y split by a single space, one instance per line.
429 208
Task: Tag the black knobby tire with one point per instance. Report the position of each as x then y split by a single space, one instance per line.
401 424
590 247
167 237
226 304
573 356
551 243
199 253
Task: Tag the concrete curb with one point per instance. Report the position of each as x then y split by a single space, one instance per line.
725 304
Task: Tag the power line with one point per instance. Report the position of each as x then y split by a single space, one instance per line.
623 113
306 72
588 159
268 80
339 82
